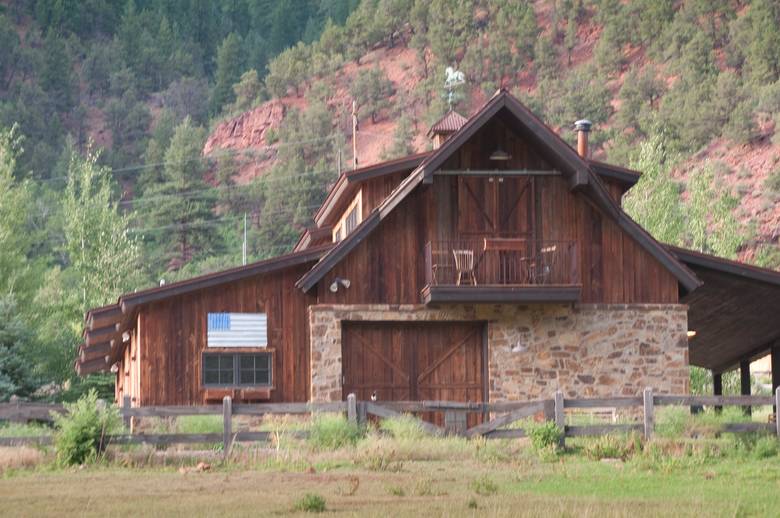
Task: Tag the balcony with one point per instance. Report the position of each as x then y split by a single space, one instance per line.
490 270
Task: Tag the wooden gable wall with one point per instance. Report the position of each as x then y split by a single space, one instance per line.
173 337
388 266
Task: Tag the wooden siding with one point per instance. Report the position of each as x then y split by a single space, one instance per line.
388 266
173 338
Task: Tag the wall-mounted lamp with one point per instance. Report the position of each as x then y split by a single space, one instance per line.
519 348
691 333
338 281
500 155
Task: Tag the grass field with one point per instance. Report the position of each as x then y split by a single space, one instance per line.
405 473
569 487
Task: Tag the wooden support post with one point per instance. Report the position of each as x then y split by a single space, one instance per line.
744 382
717 388
560 417
775 371
454 422
125 413
777 405
227 425
352 416
362 413
647 399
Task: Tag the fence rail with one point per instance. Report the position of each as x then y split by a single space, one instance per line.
501 415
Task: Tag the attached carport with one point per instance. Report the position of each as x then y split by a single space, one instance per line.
735 315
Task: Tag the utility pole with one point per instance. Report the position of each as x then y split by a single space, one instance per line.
354 135
244 245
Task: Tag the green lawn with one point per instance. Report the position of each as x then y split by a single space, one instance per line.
689 469
524 485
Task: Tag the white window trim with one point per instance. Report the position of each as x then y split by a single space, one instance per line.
339 228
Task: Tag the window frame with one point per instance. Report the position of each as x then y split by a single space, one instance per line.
340 230
236 358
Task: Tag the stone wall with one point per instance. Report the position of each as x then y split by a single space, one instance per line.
587 350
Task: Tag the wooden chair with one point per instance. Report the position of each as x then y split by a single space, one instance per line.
542 268
464 266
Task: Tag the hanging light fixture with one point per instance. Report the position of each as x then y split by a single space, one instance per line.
500 155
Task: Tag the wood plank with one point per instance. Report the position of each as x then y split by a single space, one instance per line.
615 402
505 420
603 429
713 400
380 411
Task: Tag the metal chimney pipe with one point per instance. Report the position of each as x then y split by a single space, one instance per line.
583 128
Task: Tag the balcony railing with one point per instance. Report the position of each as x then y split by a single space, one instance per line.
501 261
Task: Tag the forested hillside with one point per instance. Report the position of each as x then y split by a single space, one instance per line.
136 136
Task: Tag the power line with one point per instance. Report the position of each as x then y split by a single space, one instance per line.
213 156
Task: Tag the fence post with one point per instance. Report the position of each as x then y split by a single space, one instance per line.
777 408
560 417
454 421
227 425
352 408
647 396
126 413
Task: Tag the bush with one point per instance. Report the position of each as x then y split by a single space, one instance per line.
544 435
773 181
81 432
766 447
613 446
331 432
484 486
405 427
311 503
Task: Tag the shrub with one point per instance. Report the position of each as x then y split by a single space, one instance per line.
773 181
404 427
396 491
613 446
311 503
484 485
81 432
545 435
766 447
332 431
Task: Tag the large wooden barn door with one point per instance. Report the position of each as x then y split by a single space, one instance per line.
414 361
497 206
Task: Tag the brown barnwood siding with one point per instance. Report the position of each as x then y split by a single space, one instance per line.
173 336
388 266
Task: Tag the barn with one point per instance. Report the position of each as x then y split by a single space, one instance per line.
498 266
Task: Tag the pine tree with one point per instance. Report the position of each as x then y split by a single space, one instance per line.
229 66
181 208
371 89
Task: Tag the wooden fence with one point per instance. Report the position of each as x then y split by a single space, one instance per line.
496 416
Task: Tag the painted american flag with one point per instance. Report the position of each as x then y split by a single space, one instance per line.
237 330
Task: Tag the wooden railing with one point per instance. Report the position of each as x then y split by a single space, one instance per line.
500 261
497 416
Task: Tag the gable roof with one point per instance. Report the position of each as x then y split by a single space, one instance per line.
451 122
559 153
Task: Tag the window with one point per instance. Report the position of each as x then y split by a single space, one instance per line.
240 369
350 219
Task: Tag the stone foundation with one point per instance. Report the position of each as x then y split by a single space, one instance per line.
586 350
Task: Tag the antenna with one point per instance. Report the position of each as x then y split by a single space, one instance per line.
244 245
354 135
